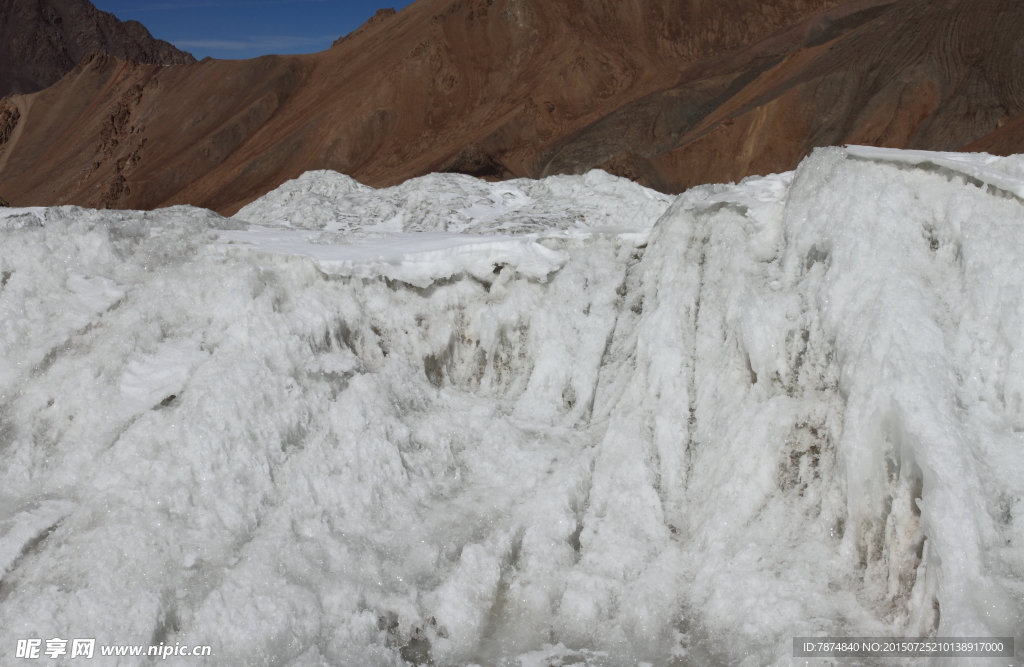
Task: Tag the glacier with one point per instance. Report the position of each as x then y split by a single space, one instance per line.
526 423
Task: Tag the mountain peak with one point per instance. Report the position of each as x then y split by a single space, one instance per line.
42 40
378 17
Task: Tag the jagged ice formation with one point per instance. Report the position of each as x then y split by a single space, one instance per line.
569 421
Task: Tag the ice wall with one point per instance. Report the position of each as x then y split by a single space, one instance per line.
520 423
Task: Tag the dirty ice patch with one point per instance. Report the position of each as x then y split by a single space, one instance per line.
762 199
558 655
989 169
96 293
417 259
20 531
19 218
152 379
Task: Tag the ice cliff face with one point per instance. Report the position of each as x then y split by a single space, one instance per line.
567 421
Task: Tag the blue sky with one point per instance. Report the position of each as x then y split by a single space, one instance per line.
247 28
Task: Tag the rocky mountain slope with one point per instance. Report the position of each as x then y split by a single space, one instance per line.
669 92
42 40
914 74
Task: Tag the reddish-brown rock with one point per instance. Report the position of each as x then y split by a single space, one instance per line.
1006 139
669 92
921 74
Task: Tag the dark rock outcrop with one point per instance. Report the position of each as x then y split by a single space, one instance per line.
42 40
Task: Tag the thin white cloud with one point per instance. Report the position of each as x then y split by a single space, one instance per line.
165 6
254 43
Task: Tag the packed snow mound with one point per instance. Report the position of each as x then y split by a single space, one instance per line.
795 407
441 225
458 203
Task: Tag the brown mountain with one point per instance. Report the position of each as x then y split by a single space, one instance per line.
42 40
920 74
669 92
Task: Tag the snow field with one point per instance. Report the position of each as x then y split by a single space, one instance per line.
542 423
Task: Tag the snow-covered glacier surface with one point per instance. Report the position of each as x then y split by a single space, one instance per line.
533 423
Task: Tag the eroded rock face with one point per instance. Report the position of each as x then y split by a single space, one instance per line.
42 40
669 93
9 117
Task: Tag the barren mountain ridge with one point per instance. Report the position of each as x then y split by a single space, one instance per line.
670 93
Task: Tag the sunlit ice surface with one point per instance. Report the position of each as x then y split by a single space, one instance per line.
535 423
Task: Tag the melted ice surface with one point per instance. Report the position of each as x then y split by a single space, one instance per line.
569 421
